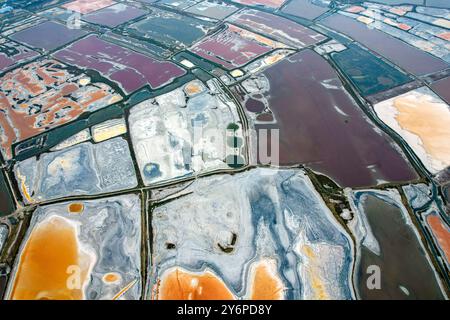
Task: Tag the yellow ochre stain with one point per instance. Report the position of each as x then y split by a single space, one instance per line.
317 284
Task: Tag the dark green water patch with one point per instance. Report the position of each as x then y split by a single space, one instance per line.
367 72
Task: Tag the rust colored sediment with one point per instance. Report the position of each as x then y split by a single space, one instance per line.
111 277
313 268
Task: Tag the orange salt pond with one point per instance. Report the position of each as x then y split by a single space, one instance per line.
76 208
423 120
178 284
265 283
52 265
441 233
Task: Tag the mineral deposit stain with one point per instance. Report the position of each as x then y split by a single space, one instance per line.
266 217
95 255
48 35
87 6
318 286
320 125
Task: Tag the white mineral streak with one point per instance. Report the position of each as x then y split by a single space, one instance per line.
270 214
